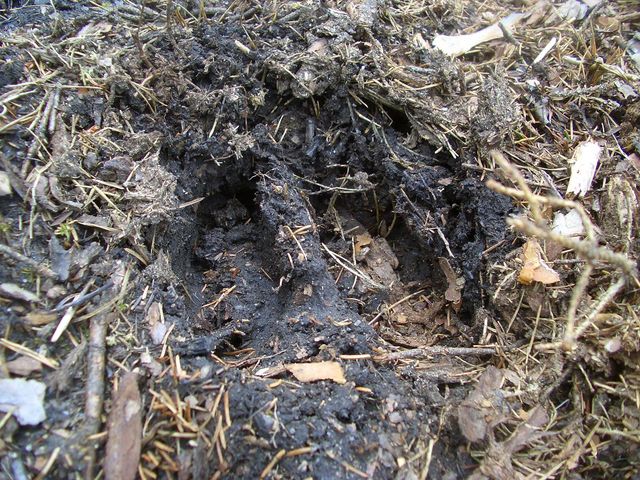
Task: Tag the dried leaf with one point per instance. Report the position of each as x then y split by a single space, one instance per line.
37 319
14 291
484 406
454 288
25 398
125 431
24 366
311 372
583 168
535 268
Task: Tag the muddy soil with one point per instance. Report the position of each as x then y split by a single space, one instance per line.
269 201
288 299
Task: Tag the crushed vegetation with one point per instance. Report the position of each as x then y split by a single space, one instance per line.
366 239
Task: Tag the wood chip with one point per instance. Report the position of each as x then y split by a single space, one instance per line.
535 268
311 372
125 431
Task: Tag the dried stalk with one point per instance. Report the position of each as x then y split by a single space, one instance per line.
435 350
587 249
95 384
37 266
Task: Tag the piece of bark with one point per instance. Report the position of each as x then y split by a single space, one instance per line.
125 431
96 360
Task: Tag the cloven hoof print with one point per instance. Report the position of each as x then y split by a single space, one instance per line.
318 240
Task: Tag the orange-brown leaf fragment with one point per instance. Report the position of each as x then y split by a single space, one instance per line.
363 241
535 269
454 289
312 372
125 431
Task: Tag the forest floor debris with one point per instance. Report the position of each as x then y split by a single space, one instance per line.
366 239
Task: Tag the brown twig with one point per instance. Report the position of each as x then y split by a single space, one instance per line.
37 266
95 384
587 249
435 350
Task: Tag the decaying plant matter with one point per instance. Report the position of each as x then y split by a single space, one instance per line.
364 239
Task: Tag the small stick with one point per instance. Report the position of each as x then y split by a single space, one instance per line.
435 350
95 384
41 130
38 267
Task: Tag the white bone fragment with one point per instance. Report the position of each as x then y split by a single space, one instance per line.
569 224
583 168
456 45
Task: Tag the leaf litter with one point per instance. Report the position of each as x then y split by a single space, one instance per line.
363 239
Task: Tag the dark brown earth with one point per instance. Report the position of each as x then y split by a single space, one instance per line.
221 177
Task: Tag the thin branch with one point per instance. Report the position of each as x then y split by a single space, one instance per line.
37 266
435 350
